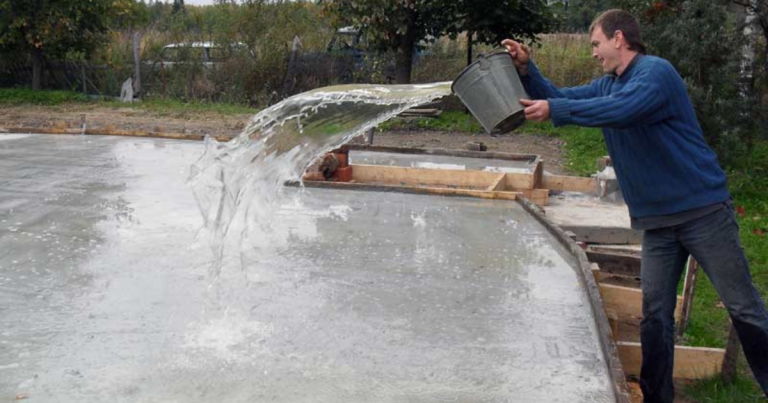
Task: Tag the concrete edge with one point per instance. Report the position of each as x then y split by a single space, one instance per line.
110 132
607 344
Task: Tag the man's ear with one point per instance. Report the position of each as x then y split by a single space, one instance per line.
619 40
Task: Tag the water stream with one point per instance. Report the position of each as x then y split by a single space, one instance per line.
238 184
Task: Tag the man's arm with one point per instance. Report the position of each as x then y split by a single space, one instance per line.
639 103
535 84
538 87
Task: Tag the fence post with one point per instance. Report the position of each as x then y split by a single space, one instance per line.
136 65
82 75
290 75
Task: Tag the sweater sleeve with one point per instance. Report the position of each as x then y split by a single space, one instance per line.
638 103
538 87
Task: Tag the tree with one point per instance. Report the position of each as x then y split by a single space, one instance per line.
491 21
178 6
700 38
577 15
399 25
51 28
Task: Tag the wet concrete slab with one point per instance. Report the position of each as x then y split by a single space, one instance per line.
361 157
106 293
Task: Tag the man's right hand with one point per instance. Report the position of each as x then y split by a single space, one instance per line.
520 54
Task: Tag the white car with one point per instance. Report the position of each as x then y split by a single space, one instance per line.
207 53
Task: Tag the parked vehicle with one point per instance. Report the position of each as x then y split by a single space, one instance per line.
209 54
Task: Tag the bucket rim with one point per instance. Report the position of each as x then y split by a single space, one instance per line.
466 69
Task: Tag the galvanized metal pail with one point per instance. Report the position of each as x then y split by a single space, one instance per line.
491 89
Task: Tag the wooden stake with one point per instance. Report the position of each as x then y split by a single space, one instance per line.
689 286
731 356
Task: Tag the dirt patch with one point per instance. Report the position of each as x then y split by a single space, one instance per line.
211 123
99 117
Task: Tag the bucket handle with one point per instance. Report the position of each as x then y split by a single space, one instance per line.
483 61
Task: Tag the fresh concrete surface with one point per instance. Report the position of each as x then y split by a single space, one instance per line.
107 295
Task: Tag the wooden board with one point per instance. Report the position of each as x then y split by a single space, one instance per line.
420 176
483 194
628 302
570 183
690 362
441 177
520 181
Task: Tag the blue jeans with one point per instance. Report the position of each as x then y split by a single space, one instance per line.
713 240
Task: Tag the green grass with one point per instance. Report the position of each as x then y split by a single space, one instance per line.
709 323
742 390
175 106
20 96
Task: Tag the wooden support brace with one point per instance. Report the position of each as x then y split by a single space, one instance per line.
689 286
499 184
731 356
690 362
538 175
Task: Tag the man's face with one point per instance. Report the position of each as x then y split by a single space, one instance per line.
605 50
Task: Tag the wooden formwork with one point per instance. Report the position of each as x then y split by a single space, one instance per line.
534 185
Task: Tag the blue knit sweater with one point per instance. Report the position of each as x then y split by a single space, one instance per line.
663 164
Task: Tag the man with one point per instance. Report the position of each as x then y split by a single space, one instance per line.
675 190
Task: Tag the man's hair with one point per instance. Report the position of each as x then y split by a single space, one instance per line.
620 20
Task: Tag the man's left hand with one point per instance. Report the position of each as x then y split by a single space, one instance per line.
537 111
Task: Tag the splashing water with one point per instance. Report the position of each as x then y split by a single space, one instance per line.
238 184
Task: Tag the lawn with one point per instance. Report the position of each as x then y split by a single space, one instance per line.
161 107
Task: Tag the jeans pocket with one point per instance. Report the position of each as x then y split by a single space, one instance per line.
730 211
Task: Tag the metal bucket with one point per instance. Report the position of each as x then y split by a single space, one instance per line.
491 89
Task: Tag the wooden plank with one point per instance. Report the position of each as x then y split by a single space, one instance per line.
616 263
607 235
539 197
446 152
570 183
500 183
426 177
628 302
690 362
483 194
519 181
